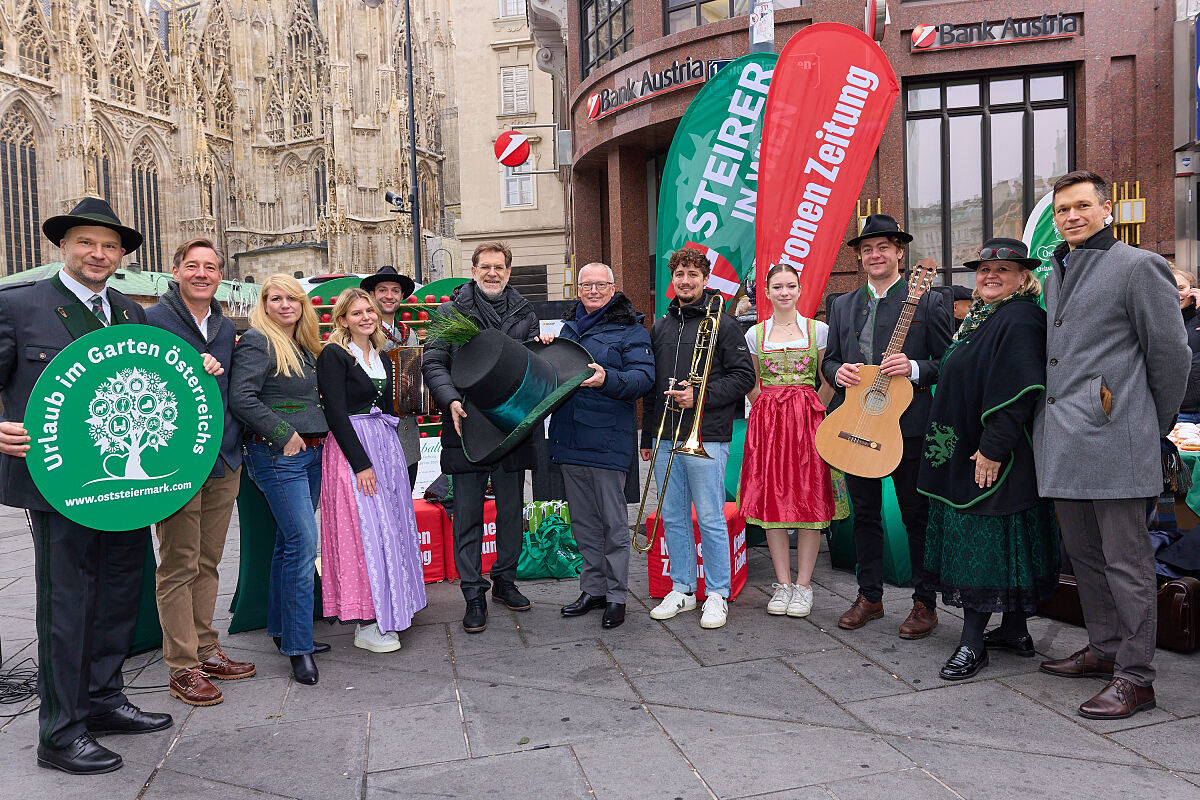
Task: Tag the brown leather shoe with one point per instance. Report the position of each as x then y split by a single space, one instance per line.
194 688
222 667
1081 664
860 613
920 623
1120 699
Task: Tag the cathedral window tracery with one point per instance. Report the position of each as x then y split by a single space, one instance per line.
302 127
223 109
87 56
274 119
19 192
157 99
33 52
146 216
120 78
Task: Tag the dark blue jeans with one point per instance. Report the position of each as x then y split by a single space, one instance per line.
292 486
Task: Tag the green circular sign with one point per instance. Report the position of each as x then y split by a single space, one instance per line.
125 426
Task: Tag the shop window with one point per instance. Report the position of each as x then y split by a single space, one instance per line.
679 15
979 154
606 32
518 187
514 90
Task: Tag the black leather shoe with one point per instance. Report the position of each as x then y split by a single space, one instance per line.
304 669
84 756
614 615
507 593
318 647
475 620
583 605
127 718
1021 645
963 664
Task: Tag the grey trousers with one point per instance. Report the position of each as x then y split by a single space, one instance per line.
1113 558
600 524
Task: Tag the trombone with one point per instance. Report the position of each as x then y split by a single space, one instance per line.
698 375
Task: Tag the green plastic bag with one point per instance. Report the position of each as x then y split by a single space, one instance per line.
550 551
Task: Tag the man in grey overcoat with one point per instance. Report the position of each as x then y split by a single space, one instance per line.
1117 364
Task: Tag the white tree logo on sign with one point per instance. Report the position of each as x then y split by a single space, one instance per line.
131 412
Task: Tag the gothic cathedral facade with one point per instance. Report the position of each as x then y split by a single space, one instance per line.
274 127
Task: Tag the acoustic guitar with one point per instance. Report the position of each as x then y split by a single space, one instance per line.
862 437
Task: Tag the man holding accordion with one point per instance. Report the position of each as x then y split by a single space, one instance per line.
703 372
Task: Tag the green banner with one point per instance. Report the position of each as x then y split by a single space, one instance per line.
125 427
709 188
1041 236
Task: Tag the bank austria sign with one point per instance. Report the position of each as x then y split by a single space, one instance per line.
680 74
948 36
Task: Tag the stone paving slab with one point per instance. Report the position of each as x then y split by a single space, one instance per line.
543 706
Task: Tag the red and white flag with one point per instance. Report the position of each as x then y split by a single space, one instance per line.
721 275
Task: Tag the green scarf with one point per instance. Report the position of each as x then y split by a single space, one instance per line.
978 314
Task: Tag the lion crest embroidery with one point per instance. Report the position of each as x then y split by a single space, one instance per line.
940 443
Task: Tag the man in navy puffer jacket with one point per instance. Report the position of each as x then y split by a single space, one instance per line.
593 437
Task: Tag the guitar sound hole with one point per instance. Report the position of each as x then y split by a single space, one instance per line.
875 401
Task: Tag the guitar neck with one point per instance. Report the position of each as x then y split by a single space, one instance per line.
900 332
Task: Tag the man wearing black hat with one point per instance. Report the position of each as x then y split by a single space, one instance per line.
860 326
490 301
88 582
390 289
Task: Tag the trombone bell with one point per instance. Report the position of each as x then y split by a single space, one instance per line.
692 447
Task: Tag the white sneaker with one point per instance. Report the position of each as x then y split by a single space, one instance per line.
672 604
801 602
778 604
715 612
369 637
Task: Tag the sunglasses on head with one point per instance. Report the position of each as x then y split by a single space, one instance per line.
1000 253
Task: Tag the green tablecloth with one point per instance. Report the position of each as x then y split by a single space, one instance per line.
147 633
257 529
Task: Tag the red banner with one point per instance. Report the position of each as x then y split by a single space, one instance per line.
830 98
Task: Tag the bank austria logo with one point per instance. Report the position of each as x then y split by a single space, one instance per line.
945 36
125 427
680 74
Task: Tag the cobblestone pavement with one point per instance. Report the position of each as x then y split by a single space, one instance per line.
539 706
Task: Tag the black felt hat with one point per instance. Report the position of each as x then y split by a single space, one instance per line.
879 225
510 386
91 211
1004 249
387 274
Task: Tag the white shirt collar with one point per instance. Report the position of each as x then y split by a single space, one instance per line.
85 294
878 295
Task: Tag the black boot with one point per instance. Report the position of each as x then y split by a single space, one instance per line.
583 605
475 620
506 592
614 615
304 668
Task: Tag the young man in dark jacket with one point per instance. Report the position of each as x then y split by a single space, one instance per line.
593 435
695 480
493 304
191 541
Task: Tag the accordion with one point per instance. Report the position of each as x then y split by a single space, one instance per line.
409 394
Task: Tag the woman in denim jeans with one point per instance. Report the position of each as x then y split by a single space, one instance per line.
273 390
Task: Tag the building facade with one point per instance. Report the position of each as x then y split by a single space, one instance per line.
997 100
497 61
273 126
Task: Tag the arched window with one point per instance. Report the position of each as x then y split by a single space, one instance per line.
274 120
223 109
101 167
19 193
33 52
429 202
302 127
157 99
120 78
320 186
87 55
300 39
146 218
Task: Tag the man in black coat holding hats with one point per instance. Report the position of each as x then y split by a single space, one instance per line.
860 327
491 302
88 582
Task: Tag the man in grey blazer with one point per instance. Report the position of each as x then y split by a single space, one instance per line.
88 582
1117 365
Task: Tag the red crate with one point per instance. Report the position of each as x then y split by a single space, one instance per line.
659 564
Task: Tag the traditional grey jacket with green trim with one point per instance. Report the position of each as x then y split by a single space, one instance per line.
1112 321
989 386
273 406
